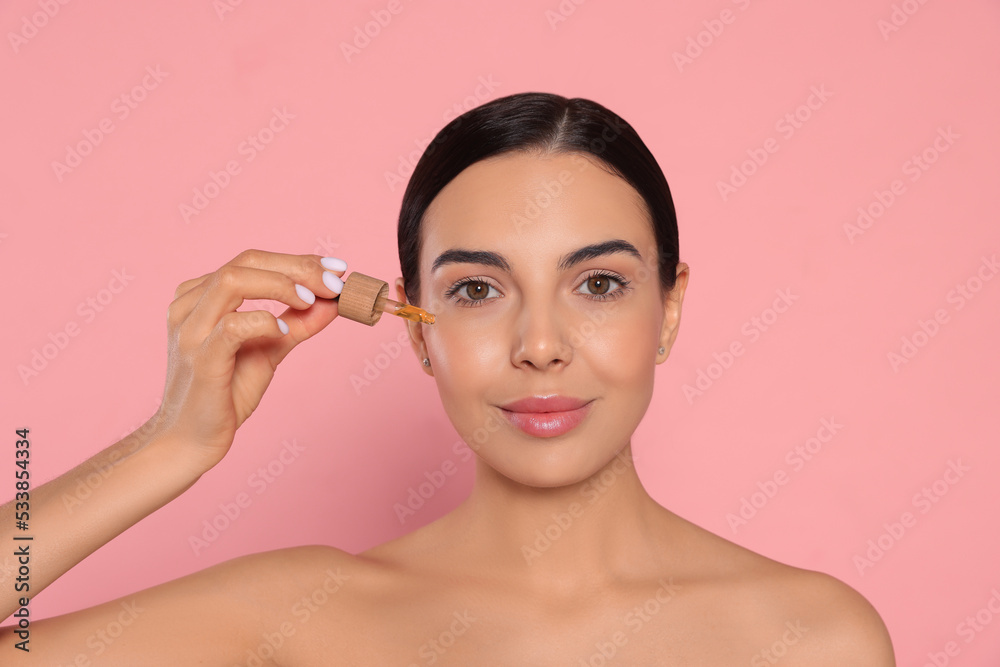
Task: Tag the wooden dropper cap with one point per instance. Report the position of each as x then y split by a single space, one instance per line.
357 299
364 299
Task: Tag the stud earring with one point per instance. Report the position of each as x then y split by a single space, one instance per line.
662 349
427 362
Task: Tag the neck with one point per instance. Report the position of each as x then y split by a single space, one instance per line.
594 531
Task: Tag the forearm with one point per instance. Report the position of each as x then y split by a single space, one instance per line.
219 363
74 514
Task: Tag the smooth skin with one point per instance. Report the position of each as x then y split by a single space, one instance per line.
558 556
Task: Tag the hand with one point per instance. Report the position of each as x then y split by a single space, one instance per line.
220 361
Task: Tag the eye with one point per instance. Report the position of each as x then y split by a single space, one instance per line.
599 284
470 291
475 291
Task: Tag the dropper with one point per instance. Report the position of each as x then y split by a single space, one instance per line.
364 299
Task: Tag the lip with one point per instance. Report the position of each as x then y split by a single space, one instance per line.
548 416
538 404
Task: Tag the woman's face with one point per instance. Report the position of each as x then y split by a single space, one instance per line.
522 312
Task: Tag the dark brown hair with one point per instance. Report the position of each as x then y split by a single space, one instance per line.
541 122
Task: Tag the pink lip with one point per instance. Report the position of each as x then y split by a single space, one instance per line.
545 404
546 417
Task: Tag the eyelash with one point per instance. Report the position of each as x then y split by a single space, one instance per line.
452 292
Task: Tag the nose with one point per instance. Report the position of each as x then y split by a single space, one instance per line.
541 336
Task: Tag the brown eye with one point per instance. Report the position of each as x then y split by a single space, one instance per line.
477 290
598 284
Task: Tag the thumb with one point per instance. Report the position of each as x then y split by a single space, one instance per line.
304 324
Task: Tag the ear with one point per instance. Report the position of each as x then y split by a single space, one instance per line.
672 311
415 330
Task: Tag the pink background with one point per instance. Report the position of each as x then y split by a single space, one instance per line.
320 186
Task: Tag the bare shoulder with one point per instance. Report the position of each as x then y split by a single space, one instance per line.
221 614
840 625
800 616
826 621
299 602
291 564
272 575
282 577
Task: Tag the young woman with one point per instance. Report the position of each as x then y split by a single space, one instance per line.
541 233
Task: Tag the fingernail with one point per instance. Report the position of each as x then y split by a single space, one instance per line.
282 325
333 264
305 294
333 282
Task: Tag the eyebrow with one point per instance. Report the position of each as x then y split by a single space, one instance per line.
567 261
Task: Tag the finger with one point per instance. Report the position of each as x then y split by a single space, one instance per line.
228 287
188 285
196 312
303 325
232 332
307 270
182 305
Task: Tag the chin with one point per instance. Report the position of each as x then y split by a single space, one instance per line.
547 464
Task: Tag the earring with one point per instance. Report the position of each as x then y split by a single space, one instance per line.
662 349
427 362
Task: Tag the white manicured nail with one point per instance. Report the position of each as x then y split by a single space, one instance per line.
305 293
282 325
333 282
333 264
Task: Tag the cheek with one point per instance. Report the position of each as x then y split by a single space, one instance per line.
465 356
463 345
621 353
